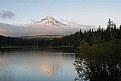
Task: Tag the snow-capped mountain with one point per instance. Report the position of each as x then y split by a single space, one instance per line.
47 26
50 21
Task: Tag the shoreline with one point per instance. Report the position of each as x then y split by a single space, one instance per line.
33 47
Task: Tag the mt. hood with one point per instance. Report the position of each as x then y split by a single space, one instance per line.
50 21
46 26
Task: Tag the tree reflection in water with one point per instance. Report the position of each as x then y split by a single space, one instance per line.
97 68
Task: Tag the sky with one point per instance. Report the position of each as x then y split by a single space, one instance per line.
84 12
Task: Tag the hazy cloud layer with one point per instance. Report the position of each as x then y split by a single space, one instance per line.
6 14
37 29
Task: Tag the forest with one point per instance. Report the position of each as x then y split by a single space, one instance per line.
100 53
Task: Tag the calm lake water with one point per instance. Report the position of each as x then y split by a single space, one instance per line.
37 65
58 65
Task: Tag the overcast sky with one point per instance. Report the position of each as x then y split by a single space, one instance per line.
84 12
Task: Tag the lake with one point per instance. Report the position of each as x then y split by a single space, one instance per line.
58 65
37 65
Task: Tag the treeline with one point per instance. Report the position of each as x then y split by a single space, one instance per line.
16 41
102 41
90 36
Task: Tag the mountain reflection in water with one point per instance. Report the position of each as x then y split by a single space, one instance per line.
37 65
98 68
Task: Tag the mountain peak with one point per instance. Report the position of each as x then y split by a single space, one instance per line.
49 17
50 21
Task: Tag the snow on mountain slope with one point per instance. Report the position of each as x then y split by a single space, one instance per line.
50 21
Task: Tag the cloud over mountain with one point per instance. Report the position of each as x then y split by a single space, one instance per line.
46 26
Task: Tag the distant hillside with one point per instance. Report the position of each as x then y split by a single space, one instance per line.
43 37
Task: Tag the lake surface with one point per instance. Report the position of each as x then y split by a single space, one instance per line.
58 65
37 65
